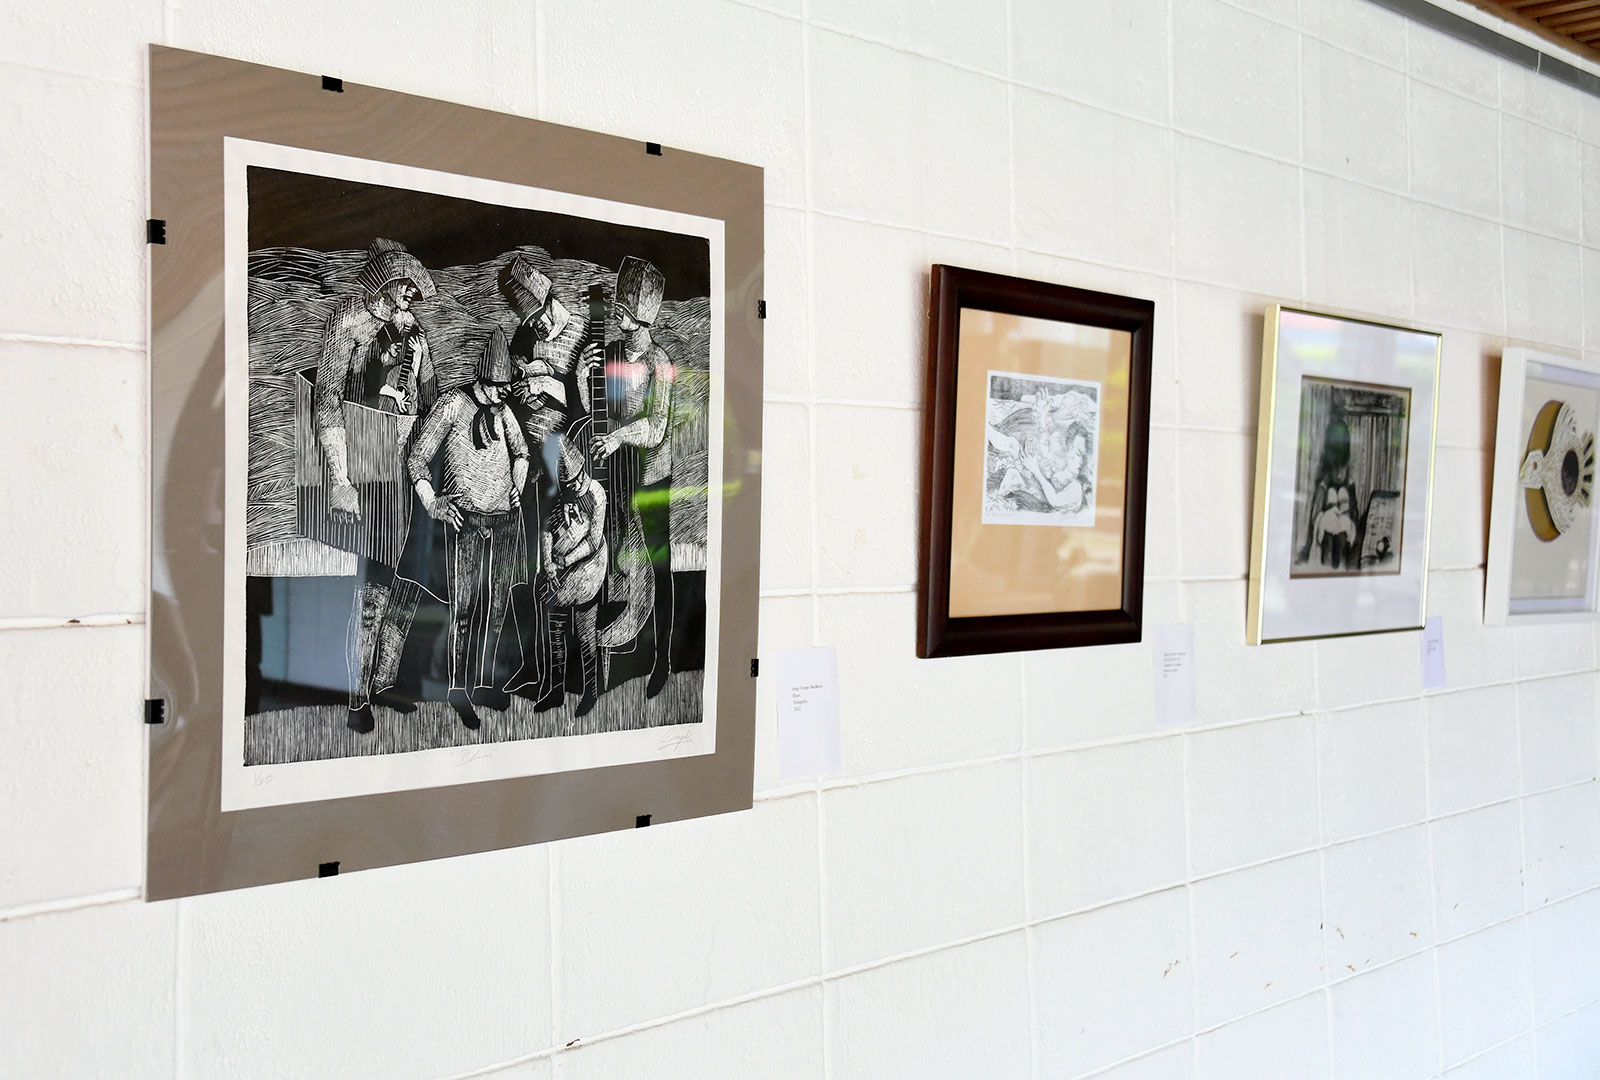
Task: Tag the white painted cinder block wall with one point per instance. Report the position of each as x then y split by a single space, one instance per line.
1332 875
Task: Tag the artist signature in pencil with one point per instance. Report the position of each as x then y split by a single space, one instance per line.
675 742
466 755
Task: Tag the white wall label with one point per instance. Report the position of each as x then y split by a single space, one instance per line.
1172 648
1433 652
806 684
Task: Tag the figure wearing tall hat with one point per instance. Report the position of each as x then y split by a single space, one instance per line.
539 400
636 627
477 493
374 378
573 556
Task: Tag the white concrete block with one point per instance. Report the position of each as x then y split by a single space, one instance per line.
1252 792
1544 290
777 1037
386 946
1455 151
1561 843
956 1012
1235 681
1112 983
1219 356
1542 99
1565 976
1552 649
1509 1061
1359 26
1216 485
1591 297
1454 260
870 305
969 32
786 503
720 907
872 111
1238 219
1439 59
1569 1047
1483 990
1162 532
1372 769
868 463
89 992
1473 653
1289 1042
1235 77
75 506
1591 193
1355 117
1173 1063
921 860
1110 55
1386 1023
1090 184
896 711
1373 667
83 36
1257 938
713 77
1081 695
74 208
1358 255
72 798
1280 11
1104 824
1542 184
786 333
1469 389
1458 531
1379 900
1558 731
1472 749
786 623
1477 869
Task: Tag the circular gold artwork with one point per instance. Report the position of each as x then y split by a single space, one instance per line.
1557 471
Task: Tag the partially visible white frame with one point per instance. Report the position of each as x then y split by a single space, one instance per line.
1506 500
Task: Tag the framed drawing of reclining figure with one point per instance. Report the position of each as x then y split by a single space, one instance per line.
455 478
1036 441
1344 470
1542 530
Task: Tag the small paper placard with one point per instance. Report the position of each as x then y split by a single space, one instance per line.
1172 648
806 684
1433 652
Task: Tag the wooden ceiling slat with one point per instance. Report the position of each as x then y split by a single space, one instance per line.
1574 29
1561 22
1538 9
1564 22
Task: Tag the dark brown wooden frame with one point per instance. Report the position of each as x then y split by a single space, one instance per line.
952 289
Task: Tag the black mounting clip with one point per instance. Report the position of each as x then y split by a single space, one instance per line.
155 230
761 309
155 710
653 149
332 85
755 668
641 821
328 869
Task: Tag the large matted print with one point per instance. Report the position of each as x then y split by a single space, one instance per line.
1344 472
479 426
455 478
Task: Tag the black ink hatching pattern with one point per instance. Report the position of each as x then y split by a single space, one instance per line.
477 493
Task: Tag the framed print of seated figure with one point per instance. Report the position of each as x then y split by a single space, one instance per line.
1543 535
1344 464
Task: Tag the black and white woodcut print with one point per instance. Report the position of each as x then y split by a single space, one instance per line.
1041 445
1350 471
478 446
